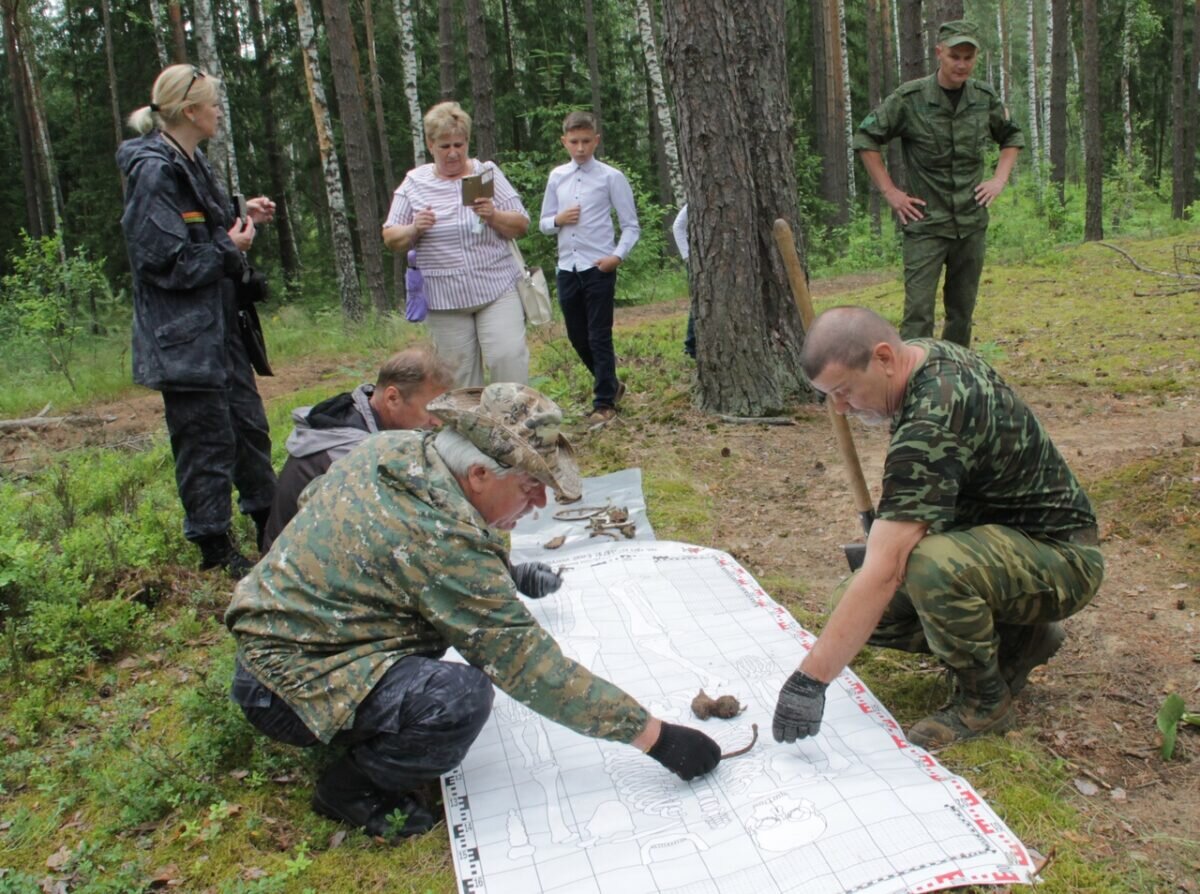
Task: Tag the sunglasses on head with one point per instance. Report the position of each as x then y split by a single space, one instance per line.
196 73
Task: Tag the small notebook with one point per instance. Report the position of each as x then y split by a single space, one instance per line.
478 186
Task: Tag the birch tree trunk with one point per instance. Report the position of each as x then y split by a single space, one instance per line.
483 119
896 56
220 150
343 244
45 150
874 90
1035 146
1059 70
1126 69
178 34
1093 225
110 63
1179 111
1044 79
357 142
157 26
662 108
408 61
847 111
728 66
447 52
385 152
1005 52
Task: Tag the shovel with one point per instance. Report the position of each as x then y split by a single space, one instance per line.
855 552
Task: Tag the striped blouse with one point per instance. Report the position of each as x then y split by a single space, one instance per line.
462 269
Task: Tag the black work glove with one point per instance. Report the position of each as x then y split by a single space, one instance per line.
684 751
536 579
799 709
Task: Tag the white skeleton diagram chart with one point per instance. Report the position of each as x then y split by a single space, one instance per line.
536 807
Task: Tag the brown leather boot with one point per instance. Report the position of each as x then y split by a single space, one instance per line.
982 704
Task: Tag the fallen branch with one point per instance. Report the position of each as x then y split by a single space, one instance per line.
1187 277
758 420
54 422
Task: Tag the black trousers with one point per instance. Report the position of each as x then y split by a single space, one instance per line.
220 439
587 300
416 724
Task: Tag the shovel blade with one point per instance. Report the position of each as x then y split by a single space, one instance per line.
855 554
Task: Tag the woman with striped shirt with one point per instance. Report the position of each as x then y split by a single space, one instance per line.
475 315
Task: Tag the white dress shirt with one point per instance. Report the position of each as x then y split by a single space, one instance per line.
679 231
598 189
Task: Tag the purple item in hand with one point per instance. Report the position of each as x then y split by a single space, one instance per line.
415 307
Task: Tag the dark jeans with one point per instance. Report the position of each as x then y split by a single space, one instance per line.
220 439
586 298
416 724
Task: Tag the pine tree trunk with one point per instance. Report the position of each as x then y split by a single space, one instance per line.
1093 226
662 108
157 27
178 34
912 41
45 151
1179 111
483 120
447 51
593 57
106 19
891 79
661 169
728 66
385 152
510 53
343 244
34 224
220 150
1193 125
408 59
874 91
357 142
1059 69
276 162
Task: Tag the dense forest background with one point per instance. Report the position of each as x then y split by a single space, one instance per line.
73 71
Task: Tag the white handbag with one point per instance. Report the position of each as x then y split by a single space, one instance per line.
531 286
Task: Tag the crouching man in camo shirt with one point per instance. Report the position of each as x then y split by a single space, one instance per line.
984 539
393 557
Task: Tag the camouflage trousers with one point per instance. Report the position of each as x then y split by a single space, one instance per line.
924 258
965 590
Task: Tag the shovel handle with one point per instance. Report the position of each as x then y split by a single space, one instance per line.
786 244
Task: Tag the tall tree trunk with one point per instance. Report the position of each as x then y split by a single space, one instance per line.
1035 149
661 169
593 58
483 123
220 149
510 53
157 27
1193 126
662 108
343 244
912 41
34 223
835 182
447 51
178 34
728 67
357 141
1005 52
1179 111
385 152
106 18
45 152
896 55
408 60
1093 226
1059 69
846 107
276 163
874 94
891 79
1044 77
1126 69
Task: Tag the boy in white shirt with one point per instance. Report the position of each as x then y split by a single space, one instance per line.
580 199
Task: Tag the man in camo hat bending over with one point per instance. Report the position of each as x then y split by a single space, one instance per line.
984 539
393 557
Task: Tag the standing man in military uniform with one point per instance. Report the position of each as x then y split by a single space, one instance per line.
984 539
944 123
393 558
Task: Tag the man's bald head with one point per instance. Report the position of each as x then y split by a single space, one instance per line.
846 335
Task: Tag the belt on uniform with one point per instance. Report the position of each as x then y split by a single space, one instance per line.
1088 536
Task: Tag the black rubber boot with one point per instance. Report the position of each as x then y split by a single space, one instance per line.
1024 648
219 551
345 793
981 704
261 517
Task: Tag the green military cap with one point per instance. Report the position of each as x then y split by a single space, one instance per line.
959 31
516 426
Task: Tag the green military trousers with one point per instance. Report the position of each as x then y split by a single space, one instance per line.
964 589
924 258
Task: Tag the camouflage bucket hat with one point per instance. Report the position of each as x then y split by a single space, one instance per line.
516 426
959 31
